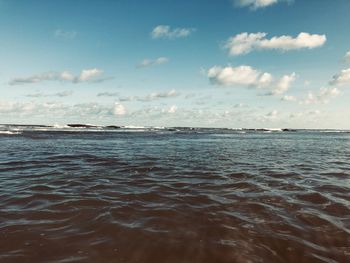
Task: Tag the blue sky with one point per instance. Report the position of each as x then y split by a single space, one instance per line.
222 63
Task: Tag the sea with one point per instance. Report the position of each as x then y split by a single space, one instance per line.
173 195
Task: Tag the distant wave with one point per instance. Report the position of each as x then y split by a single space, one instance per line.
77 127
10 132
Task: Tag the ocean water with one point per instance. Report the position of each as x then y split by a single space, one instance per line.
173 195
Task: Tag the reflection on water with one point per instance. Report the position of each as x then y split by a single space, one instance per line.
174 196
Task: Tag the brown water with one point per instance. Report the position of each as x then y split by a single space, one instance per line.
163 196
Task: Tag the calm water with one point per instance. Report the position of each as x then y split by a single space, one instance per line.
181 196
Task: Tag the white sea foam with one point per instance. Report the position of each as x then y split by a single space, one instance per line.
273 129
10 132
134 127
58 126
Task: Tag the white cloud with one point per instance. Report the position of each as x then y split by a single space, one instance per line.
164 31
323 96
242 75
119 109
342 78
256 4
347 56
59 33
86 75
172 109
283 84
152 62
249 77
245 43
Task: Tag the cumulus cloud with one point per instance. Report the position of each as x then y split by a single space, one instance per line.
152 62
166 32
242 75
283 85
256 4
249 77
59 33
152 97
86 75
343 78
245 43
119 109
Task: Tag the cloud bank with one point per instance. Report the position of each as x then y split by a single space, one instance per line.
86 75
245 43
322 96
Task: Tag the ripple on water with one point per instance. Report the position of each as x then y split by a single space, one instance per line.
174 198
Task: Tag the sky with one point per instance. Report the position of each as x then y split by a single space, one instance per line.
198 63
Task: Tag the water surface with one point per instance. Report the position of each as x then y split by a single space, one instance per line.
179 195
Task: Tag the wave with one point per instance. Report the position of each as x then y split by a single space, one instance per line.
10 132
81 127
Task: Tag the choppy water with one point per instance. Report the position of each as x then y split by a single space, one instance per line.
145 195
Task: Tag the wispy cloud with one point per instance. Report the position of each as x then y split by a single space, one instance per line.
152 62
151 97
245 43
59 33
246 76
58 94
166 32
289 98
108 94
86 75
256 4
